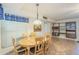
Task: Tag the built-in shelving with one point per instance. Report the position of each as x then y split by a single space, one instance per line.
65 29
56 29
71 30
62 28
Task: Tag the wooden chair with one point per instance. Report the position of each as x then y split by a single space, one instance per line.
46 46
39 48
47 35
47 43
24 35
17 48
33 34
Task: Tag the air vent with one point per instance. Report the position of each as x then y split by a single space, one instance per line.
44 17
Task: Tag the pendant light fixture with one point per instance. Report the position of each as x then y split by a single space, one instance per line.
37 21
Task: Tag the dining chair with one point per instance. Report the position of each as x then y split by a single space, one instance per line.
33 34
39 48
24 35
17 48
47 35
47 42
46 46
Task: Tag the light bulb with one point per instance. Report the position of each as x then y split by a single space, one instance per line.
37 22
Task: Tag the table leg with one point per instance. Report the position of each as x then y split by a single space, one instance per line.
28 50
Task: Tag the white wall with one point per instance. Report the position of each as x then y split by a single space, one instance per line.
16 29
12 29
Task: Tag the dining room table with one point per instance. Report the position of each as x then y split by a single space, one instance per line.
29 42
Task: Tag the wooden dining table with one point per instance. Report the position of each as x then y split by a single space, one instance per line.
29 42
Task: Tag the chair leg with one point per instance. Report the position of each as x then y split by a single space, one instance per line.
46 51
26 52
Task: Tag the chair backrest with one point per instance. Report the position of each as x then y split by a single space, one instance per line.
47 42
14 45
14 42
33 34
48 37
24 35
39 49
17 48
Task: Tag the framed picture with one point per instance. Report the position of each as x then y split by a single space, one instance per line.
1 13
7 16
12 17
37 28
17 19
1 16
27 20
1 10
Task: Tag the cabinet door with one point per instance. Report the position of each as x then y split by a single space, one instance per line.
71 30
56 29
71 25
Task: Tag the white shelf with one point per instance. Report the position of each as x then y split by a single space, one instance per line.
63 37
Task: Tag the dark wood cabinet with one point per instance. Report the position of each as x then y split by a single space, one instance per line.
55 29
71 30
68 29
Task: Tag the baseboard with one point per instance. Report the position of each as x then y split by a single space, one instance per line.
6 50
77 41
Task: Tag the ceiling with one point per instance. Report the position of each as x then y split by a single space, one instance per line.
54 11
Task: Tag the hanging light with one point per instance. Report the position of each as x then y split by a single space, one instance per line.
37 21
